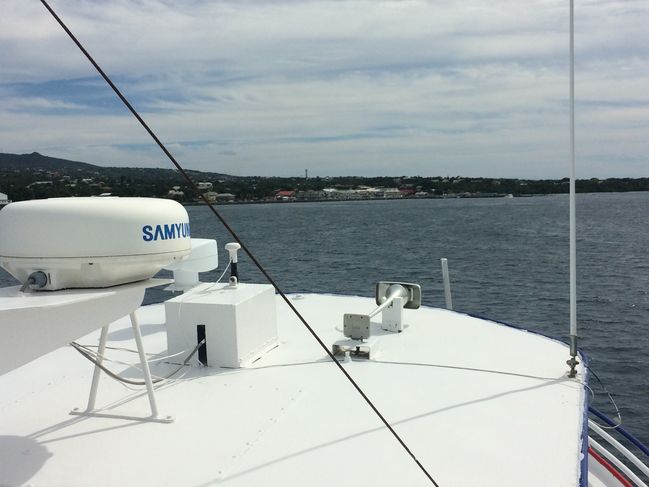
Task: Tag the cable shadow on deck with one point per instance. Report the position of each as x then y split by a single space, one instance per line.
373 430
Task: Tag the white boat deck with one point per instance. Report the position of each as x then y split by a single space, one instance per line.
479 403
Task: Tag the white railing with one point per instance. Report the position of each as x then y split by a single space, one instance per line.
622 450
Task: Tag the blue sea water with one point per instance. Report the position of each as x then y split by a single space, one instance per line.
508 260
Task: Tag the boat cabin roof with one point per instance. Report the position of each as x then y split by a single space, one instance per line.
478 403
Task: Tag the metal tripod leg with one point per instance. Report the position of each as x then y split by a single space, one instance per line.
97 371
145 366
90 409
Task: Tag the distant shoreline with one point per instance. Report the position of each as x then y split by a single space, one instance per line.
334 200
35 176
357 200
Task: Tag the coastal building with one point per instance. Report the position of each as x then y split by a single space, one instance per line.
225 197
40 183
4 200
175 193
361 193
310 195
349 194
204 186
285 195
392 193
214 197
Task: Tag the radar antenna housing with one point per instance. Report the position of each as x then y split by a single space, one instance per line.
61 243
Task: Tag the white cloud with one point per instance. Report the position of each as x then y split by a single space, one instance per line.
475 88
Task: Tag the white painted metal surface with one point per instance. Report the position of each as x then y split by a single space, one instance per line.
478 402
239 323
35 323
448 299
392 316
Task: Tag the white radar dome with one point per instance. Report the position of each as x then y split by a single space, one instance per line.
63 243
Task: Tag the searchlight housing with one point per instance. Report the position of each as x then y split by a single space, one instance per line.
392 298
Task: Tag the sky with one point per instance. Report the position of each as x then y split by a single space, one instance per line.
272 88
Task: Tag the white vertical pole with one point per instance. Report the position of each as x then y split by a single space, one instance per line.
145 365
97 371
447 284
573 237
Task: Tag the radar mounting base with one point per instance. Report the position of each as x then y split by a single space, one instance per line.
91 411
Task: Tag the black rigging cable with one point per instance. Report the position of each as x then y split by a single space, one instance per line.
236 237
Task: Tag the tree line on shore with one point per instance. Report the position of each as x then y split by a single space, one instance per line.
31 176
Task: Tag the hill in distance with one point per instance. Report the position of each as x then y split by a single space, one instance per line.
36 160
33 176
39 161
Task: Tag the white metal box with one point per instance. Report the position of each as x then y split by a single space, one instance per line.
239 323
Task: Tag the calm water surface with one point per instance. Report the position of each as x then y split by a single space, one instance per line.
508 260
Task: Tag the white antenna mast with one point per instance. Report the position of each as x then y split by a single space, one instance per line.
572 362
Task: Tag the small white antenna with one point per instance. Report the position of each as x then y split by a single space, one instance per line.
572 362
233 248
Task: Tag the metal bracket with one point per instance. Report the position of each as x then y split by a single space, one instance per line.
356 327
360 349
572 362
